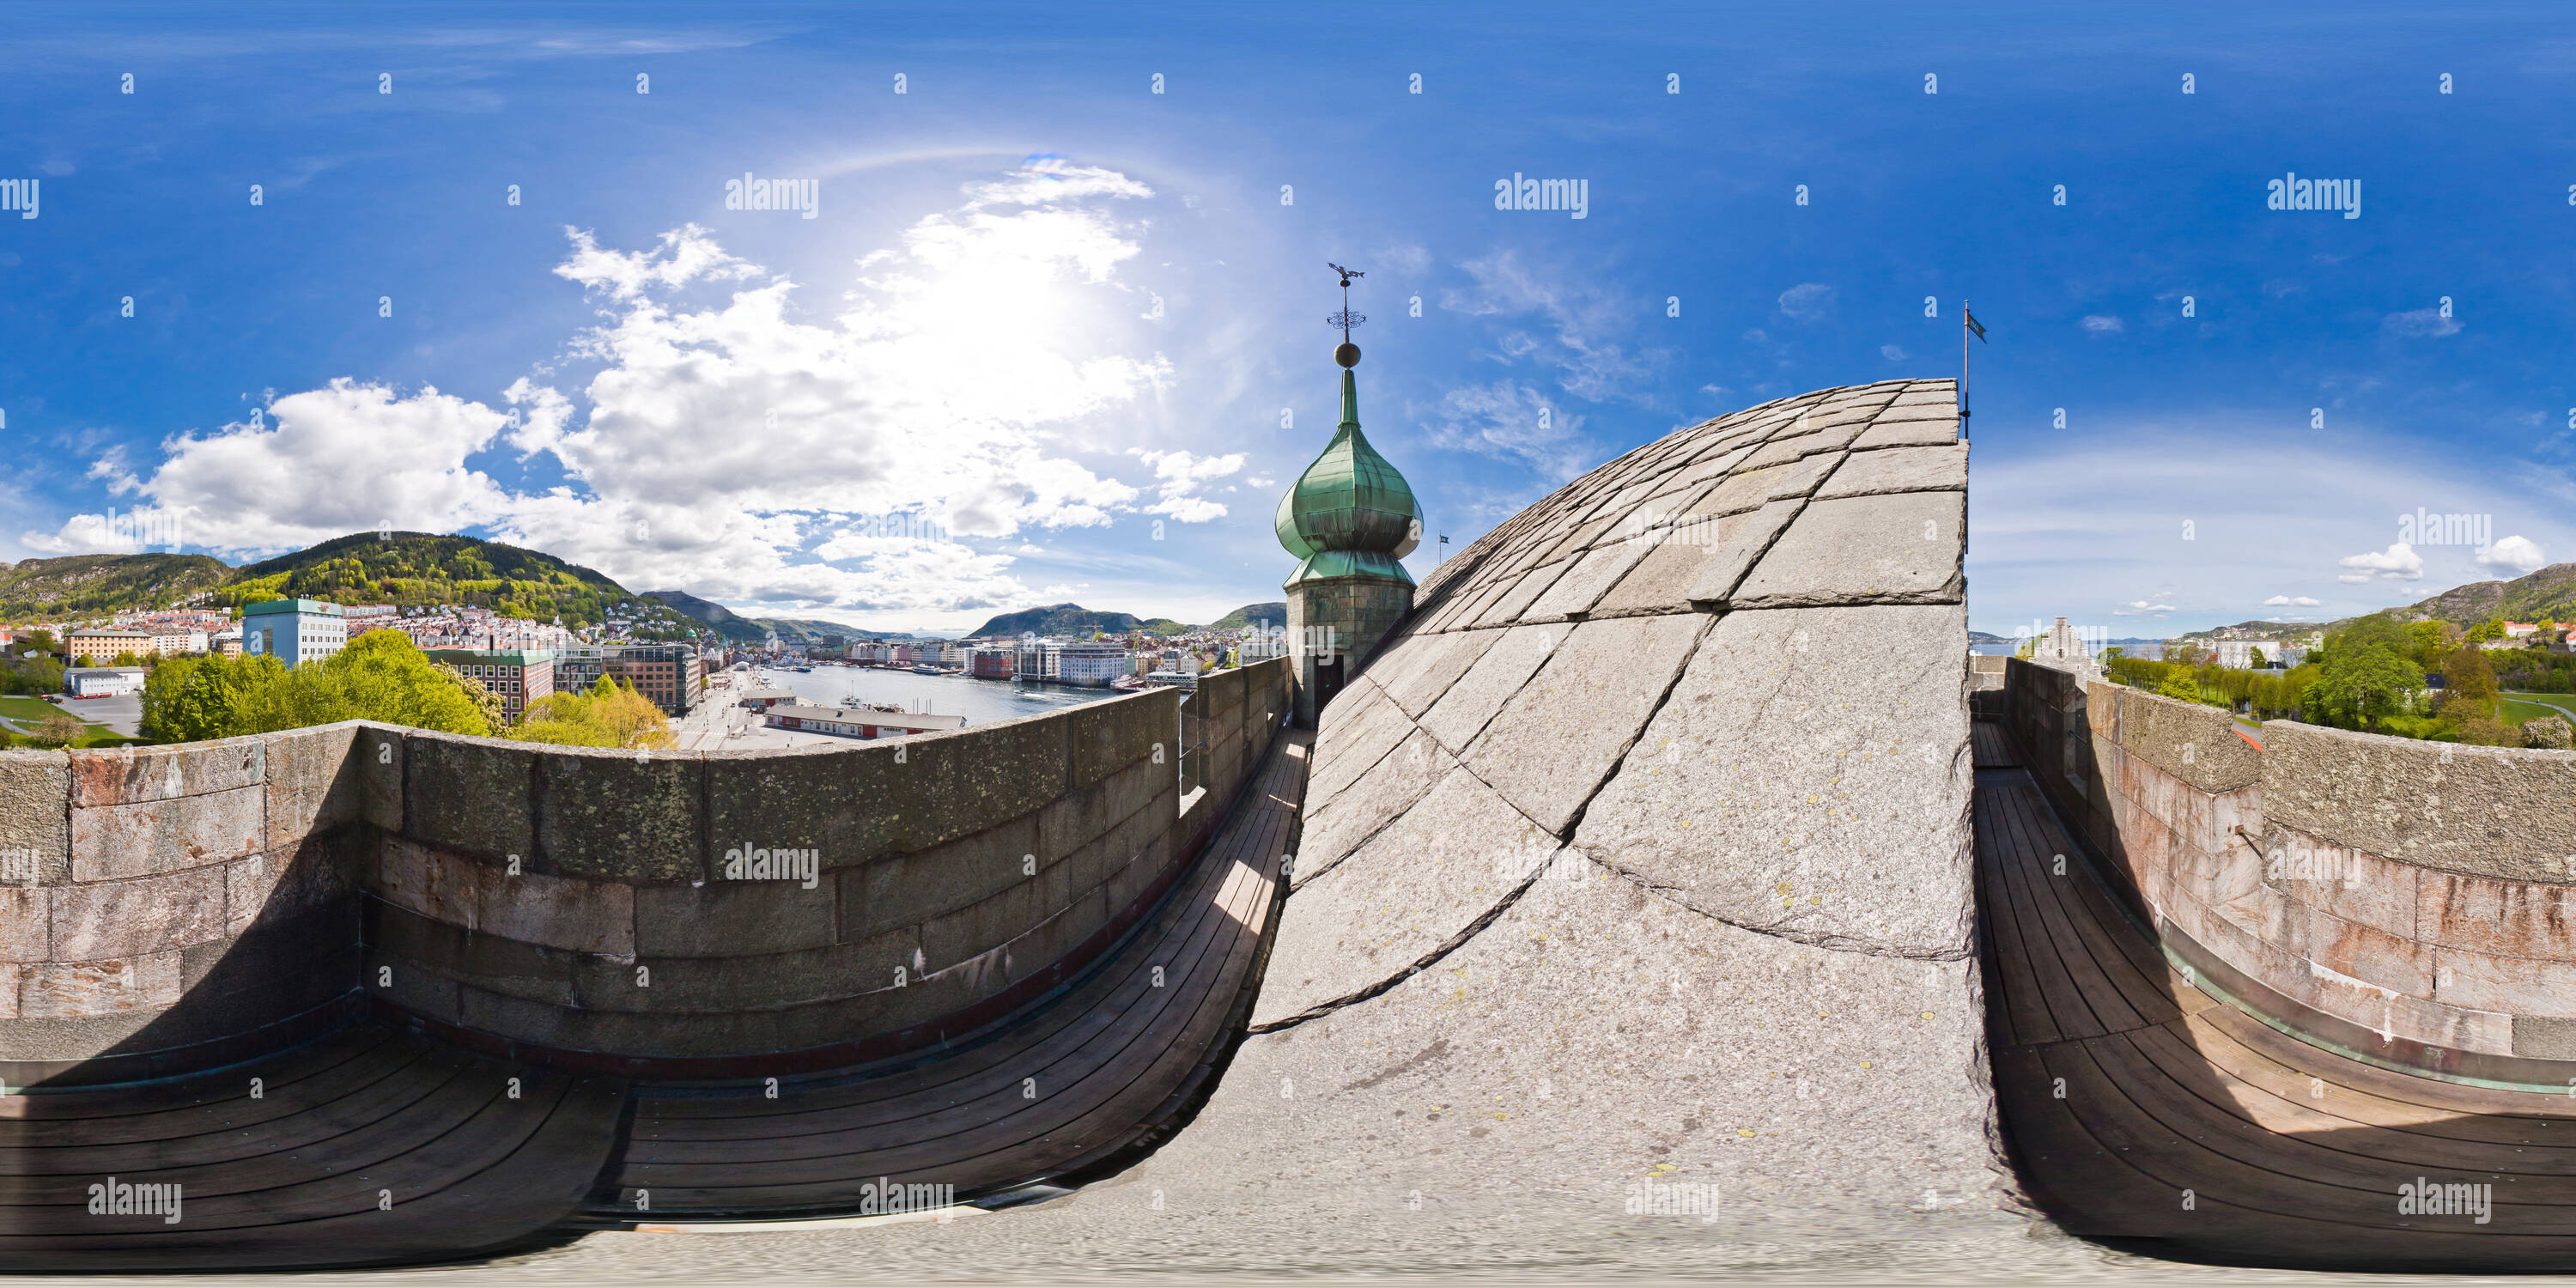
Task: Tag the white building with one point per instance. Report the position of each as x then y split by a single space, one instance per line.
102 681
170 642
294 631
1092 665
2239 654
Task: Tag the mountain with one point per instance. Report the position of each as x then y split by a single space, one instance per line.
1980 637
1072 619
1273 613
98 585
2550 593
417 568
403 568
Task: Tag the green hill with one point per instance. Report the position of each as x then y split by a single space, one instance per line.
416 568
98 585
1273 613
1072 619
2550 593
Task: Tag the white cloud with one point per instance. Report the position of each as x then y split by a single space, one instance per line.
1893 353
2517 555
1512 421
320 464
1578 318
2288 601
2421 324
1807 301
2102 324
1179 476
743 448
2142 608
2397 563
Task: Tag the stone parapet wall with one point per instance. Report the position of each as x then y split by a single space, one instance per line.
217 871
591 907
2409 901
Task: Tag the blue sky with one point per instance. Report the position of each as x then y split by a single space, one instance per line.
1037 342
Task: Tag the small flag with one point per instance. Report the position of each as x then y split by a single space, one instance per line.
1974 325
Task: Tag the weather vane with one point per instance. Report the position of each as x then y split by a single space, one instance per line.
1348 354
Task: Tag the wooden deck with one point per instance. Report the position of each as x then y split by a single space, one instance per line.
2138 1107
369 1146
1086 1077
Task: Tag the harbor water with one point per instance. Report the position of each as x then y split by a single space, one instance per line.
982 702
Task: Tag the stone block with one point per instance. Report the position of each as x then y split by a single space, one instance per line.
139 775
734 918
26 924
2539 1037
1080 817
570 913
1582 585
1420 668
133 919
2512 985
113 842
909 889
9 974
1809 777
376 754
35 815
1461 714
2194 743
853 802
981 927
1430 875
472 795
1371 802
1752 489
1926 432
1902 549
1508 609
415 945
1105 737
622 816
1700 558
433 883
113 986
2503 812
313 783
1358 729
2357 887
2509 918
1566 730
1899 469
286 885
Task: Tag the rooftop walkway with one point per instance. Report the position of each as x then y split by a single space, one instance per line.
1106 1067
2141 1106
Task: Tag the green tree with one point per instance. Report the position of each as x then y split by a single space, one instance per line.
2358 687
2468 684
2258 656
2490 629
380 676
61 729
609 715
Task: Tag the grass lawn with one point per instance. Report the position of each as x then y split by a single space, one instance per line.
29 709
2514 712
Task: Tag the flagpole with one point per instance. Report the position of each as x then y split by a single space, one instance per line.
1963 370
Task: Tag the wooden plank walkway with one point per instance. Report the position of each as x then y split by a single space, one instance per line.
2139 1108
372 1145
1082 1078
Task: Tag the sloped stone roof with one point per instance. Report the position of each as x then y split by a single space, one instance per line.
1726 665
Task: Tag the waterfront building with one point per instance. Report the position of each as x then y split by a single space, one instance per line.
1090 665
294 631
856 722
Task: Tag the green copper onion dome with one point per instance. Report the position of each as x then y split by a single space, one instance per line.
1350 513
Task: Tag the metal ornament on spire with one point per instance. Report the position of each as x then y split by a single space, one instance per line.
1348 354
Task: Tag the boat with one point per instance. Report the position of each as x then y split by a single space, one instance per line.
924 668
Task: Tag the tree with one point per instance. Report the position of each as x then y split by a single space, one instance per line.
61 729
2356 688
2428 641
2468 684
2490 629
609 715
2258 656
2178 683
380 676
